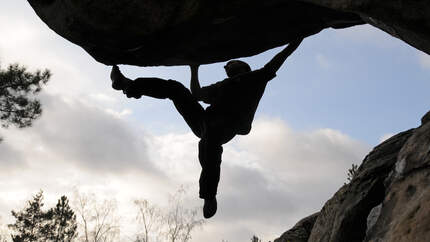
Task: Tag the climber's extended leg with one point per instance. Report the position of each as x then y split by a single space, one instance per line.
184 101
210 160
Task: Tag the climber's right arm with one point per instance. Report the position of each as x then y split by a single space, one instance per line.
276 62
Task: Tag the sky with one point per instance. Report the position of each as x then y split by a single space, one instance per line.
340 94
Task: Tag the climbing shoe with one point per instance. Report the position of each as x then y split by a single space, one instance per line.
209 208
119 82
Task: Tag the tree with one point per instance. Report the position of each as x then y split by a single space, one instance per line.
31 222
98 221
175 223
255 239
150 218
62 226
4 233
17 89
180 221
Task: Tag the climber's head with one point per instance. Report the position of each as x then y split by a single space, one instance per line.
236 67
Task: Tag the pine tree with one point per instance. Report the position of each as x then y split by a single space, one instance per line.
62 222
30 224
17 89
255 239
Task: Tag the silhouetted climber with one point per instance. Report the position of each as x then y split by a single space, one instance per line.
233 103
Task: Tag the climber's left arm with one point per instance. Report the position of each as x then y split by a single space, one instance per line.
201 94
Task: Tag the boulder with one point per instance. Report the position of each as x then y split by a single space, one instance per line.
388 198
300 232
405 210
344 216
404 19
180 32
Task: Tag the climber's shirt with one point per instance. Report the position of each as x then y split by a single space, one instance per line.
233 101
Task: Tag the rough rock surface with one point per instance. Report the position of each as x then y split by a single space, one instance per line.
405 210
344 217
389 197
178 32
404 19
300 232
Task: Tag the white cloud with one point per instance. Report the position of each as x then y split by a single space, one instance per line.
119 114
10 157
89 136
275 176
320 151
102 97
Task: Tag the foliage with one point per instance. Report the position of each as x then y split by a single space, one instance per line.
255 239
62 226
352 172
17 88
180 221
149 218
97 221
174 223
33 224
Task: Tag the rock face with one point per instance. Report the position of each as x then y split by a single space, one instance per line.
179 32
404 19
389 197
406 207
300 232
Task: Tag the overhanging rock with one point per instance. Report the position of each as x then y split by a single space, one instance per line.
404 19
180 32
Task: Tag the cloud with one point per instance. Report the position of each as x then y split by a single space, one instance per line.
90 136
72 131
275 176
72 145
176 155
288 153
10 158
